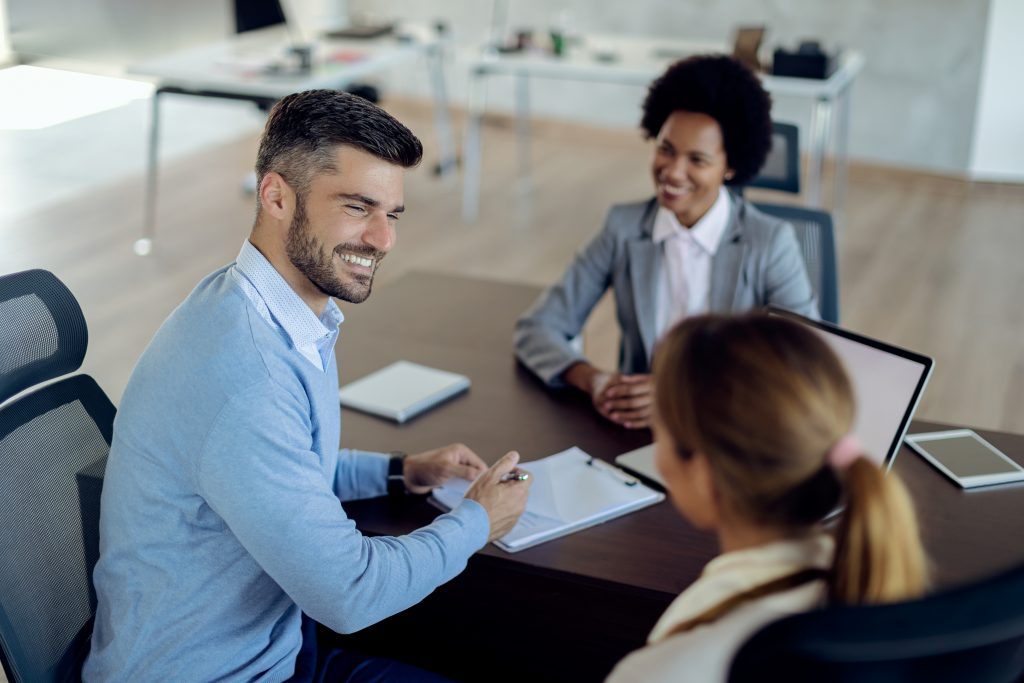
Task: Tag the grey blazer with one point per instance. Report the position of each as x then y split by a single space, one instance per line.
757 263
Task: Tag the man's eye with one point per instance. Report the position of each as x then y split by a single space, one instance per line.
355 209
393 217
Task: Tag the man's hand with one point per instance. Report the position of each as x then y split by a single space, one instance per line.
424 471
627 400
503 500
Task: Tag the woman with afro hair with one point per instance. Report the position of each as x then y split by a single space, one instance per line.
693 248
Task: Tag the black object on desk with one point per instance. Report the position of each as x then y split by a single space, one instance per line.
808 61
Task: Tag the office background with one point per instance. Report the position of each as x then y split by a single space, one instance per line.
928 259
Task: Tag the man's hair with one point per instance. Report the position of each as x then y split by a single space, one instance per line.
728 92
304 130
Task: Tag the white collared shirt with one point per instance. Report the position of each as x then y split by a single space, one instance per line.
684 288
277 303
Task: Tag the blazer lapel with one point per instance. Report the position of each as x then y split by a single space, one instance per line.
644 270
727 264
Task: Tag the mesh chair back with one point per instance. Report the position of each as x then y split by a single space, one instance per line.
815 233
52 441
973 634
781 170
42 331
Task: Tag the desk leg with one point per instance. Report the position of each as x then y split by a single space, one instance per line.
821 116
447 162
523 123
842 152
144 245
471 149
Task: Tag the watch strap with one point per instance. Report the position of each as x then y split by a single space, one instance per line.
396 474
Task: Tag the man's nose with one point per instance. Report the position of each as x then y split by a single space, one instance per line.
379 234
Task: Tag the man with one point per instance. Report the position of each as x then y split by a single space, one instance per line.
221 534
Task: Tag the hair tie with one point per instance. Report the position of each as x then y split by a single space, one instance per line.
844 452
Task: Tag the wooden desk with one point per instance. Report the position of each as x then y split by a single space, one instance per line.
570 608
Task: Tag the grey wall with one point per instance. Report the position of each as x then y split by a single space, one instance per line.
913 104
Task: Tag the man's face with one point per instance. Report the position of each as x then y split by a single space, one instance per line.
345 224
689 165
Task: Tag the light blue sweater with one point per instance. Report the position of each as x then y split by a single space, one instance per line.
221 520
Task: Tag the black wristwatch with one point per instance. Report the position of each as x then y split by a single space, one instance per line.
396 474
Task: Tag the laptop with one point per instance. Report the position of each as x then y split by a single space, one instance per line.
888 382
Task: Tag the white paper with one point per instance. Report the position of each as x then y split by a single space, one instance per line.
567 495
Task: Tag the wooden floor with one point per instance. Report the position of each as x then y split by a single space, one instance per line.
929 263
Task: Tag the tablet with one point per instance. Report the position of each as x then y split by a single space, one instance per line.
966 458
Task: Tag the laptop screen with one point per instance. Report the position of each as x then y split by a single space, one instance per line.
887 383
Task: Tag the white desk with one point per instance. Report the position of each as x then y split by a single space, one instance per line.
638 61
235 68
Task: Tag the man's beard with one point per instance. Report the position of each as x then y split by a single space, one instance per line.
306 253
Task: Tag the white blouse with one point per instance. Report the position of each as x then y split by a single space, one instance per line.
684 288
706 652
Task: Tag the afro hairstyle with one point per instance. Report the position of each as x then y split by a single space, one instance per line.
728 92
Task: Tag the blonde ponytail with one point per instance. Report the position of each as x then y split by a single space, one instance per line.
879 557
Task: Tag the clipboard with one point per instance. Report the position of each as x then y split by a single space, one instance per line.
571 491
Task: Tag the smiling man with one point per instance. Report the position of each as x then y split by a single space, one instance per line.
222 540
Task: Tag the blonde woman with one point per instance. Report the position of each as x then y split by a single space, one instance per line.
752 422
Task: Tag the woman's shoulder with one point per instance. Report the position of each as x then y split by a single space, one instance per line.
706 652
754 218
631 216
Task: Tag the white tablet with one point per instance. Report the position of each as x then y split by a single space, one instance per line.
966 458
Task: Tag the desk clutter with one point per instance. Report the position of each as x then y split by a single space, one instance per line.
571 491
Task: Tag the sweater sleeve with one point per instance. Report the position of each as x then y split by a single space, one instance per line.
360 474
257 471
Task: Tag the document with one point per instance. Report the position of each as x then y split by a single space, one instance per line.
570 491
402 390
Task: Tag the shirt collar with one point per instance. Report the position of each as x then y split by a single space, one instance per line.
286 307
706 232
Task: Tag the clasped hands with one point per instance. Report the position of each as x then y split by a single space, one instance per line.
626 400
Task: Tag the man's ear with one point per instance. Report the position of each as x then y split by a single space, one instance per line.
276 196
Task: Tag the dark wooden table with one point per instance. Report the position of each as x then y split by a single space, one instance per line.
570 608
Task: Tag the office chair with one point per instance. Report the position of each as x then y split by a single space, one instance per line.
781 170
49 510
815 233
974 633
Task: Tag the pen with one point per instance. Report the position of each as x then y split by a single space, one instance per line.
613 471
516 475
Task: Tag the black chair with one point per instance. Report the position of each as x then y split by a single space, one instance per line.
781 170
52 440
975 634
816 235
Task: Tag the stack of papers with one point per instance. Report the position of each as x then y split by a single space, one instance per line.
570 491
